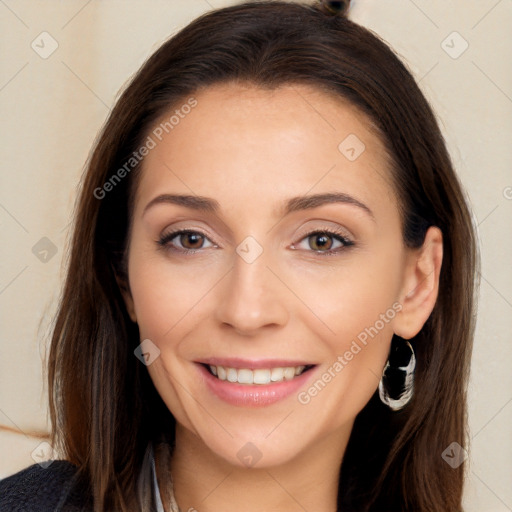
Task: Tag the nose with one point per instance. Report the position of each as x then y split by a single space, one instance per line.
252 298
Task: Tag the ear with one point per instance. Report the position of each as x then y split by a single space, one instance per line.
421 285
124 287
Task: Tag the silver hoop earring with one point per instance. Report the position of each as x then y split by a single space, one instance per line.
396 386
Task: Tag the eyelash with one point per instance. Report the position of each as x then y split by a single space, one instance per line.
164 241
333 233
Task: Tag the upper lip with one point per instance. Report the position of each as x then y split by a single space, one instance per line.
239 363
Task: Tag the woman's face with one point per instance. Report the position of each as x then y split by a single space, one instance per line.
288 279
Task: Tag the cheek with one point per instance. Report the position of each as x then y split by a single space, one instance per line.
348 300
169 304
353 309
165 296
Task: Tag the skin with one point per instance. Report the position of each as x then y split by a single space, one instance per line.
251 150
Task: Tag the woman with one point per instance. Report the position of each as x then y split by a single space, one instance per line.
269 300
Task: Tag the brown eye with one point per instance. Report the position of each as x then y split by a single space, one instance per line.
185 240
191 240
320 242
324 242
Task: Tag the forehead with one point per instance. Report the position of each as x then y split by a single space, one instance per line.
241 142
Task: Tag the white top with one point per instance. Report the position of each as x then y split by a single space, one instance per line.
173 506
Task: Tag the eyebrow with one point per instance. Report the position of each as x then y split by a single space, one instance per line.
314 201
199 203
206 204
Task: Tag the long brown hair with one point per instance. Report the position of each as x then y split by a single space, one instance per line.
104 408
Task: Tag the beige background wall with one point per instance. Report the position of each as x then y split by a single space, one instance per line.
54 104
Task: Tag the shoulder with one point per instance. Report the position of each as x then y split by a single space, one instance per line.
54 488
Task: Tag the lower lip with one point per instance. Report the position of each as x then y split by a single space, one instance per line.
245 395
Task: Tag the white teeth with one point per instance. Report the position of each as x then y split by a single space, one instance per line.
221 372
244 376
260 376
289 373
277 374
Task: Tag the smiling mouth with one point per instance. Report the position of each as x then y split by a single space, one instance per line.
260 376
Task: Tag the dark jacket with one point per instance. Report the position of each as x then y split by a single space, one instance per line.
54 489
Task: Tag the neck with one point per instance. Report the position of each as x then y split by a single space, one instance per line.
205 482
